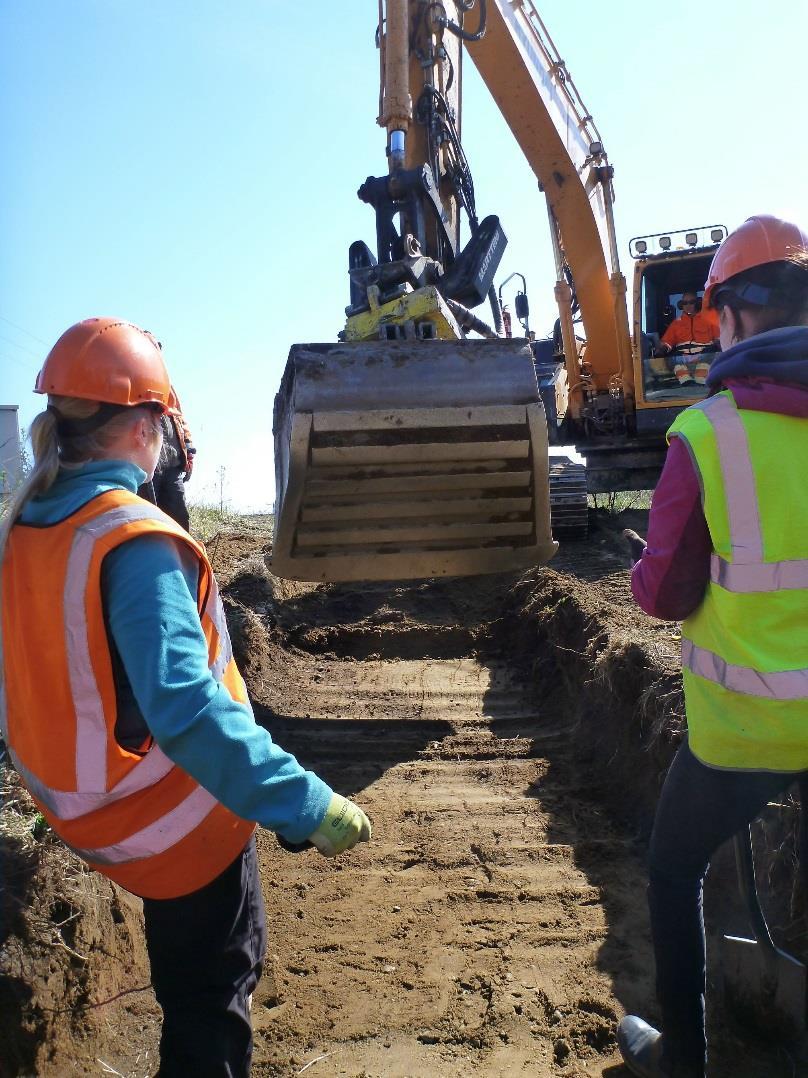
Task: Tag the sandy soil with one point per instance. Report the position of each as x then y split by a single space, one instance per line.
507 736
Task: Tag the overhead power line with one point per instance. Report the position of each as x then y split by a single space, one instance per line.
17 360
22 329
22 347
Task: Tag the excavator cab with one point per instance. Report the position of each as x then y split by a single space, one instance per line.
668 267
417 445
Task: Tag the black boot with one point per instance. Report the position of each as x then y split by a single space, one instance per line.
641 1047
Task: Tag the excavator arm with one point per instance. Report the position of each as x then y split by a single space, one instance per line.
536 95
533 89
610 417
413 448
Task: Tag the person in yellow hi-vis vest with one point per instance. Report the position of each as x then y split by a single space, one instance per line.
122 707
727 554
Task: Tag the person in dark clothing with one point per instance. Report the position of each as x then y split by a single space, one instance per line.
727 553
167 488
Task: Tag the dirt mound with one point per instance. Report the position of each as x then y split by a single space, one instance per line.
619 675
73 965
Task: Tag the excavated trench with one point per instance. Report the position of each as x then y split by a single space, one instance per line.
507 736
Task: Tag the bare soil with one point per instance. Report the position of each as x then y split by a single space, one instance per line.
508 736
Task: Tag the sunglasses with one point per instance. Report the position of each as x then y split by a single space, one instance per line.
689 302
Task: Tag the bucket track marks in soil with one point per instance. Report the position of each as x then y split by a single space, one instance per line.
466 936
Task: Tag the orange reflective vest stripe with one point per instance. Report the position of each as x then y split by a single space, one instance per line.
133 815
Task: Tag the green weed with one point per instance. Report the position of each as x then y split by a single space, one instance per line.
617 501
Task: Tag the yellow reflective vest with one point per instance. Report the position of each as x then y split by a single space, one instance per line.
745 649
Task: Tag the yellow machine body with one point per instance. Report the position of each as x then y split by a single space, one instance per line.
412 313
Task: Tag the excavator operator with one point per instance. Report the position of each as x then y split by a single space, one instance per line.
687 336
727 554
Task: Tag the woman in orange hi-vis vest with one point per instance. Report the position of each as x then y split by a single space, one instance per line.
122 708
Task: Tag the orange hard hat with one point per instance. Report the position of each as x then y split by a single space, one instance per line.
108 360
759 240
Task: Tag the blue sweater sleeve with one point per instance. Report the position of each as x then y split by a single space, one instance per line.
150 587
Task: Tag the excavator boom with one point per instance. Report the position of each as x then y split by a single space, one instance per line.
536 95
413 449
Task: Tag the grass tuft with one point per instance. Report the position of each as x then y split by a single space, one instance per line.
208 520
617 501
19 816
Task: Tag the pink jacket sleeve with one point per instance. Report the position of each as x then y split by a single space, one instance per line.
670 578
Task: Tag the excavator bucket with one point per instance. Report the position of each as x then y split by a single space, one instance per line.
405 459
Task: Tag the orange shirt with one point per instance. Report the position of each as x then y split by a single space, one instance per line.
699 328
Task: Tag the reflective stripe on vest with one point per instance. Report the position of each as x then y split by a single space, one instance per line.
158 836
91 728
766 576
739 480
69 805
747 573
215 611
778 685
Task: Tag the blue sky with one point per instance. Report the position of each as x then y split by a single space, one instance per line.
193 167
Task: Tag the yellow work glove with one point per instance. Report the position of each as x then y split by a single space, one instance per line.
343 825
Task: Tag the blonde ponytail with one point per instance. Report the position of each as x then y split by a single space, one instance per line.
45 444
52 449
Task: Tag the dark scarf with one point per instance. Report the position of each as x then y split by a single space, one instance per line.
779 355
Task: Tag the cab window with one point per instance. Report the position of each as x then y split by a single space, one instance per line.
680 374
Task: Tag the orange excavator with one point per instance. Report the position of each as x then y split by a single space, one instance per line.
417 445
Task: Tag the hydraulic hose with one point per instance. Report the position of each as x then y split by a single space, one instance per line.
496 310
468 320
465 34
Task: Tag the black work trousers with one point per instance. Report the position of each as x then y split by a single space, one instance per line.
700 808
206 951
167 490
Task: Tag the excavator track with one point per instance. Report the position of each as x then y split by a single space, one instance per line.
569 503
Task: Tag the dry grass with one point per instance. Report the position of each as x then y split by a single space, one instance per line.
207 521
660 704
28 845
20 820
